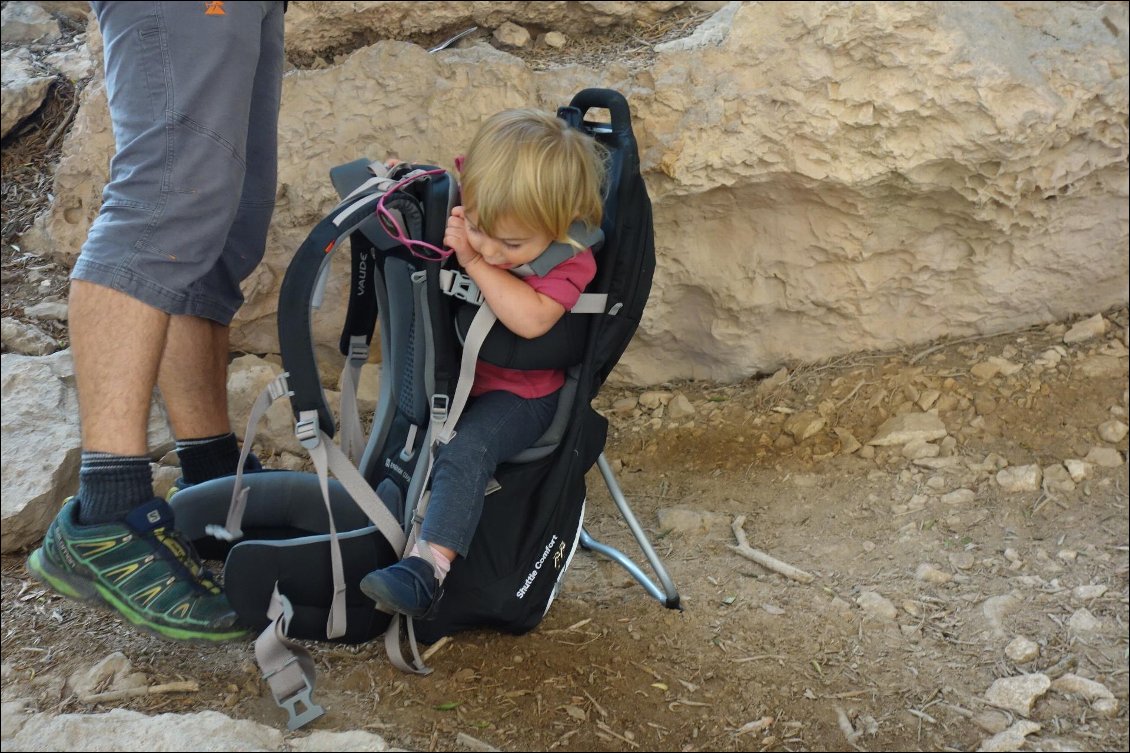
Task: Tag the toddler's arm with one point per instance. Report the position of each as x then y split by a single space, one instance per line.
523 310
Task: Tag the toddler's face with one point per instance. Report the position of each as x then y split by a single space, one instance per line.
512 245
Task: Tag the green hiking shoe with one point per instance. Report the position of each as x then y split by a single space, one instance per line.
142 567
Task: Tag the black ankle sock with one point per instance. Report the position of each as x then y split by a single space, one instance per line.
208 457
110 486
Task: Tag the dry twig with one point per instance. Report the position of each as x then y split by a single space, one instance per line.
771 563
119 695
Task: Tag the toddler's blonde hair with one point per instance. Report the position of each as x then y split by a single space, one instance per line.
530 166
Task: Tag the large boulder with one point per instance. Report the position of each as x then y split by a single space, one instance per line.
41 445
826 177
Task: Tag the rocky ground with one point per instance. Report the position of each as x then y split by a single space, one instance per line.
967 592
958 515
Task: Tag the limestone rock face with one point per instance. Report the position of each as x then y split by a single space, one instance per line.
826 177
315 27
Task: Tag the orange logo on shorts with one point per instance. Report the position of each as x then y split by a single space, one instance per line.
215 8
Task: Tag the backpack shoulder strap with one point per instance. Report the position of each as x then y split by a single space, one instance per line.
558 252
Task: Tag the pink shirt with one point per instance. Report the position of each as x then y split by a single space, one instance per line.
564 284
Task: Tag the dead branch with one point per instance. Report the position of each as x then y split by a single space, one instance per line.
771 563
120 695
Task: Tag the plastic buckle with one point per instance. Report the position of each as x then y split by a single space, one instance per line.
440 405
301 697
306 430
465 289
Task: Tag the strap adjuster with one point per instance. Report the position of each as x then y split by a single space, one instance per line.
301 698
358 350
306 429
278 387
440 405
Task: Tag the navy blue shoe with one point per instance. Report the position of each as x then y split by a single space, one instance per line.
253 465
409 587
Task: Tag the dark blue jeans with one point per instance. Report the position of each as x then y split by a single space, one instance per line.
496 426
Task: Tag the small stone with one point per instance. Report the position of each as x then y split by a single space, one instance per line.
992 721
963 560
918 449
959 497
903 429
1086 329
512 35
804 425
1017 694
876 607
1058 478
1105 457
927 573
624 405
680 407
1100 697
1010 739
1084 622
1020 478
1112 431
555 39
848 442
1021 650
1077 469
652 399
1086 593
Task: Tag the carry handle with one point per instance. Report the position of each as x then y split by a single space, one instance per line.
610 100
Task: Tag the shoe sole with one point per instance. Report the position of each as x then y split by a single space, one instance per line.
384 603
90 592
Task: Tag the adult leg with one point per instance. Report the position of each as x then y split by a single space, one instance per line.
193 377
179 86
117 343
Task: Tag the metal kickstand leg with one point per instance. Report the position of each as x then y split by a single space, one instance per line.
667 594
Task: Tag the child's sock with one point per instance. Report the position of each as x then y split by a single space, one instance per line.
441 563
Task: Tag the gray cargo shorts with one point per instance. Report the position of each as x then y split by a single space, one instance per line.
194 91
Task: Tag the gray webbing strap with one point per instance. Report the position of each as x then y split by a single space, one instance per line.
392 633
328 456
420 292
476 334
392 647
590 303
335 622
232 528
363 495
353 439
288 668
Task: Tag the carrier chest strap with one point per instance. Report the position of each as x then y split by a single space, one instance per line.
460 285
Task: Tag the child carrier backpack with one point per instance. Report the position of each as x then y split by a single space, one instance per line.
296 545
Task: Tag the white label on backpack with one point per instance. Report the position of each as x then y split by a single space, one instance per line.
537 568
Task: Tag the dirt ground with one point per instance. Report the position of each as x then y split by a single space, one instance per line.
754 660
918 590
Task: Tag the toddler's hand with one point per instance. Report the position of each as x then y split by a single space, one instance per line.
455 237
